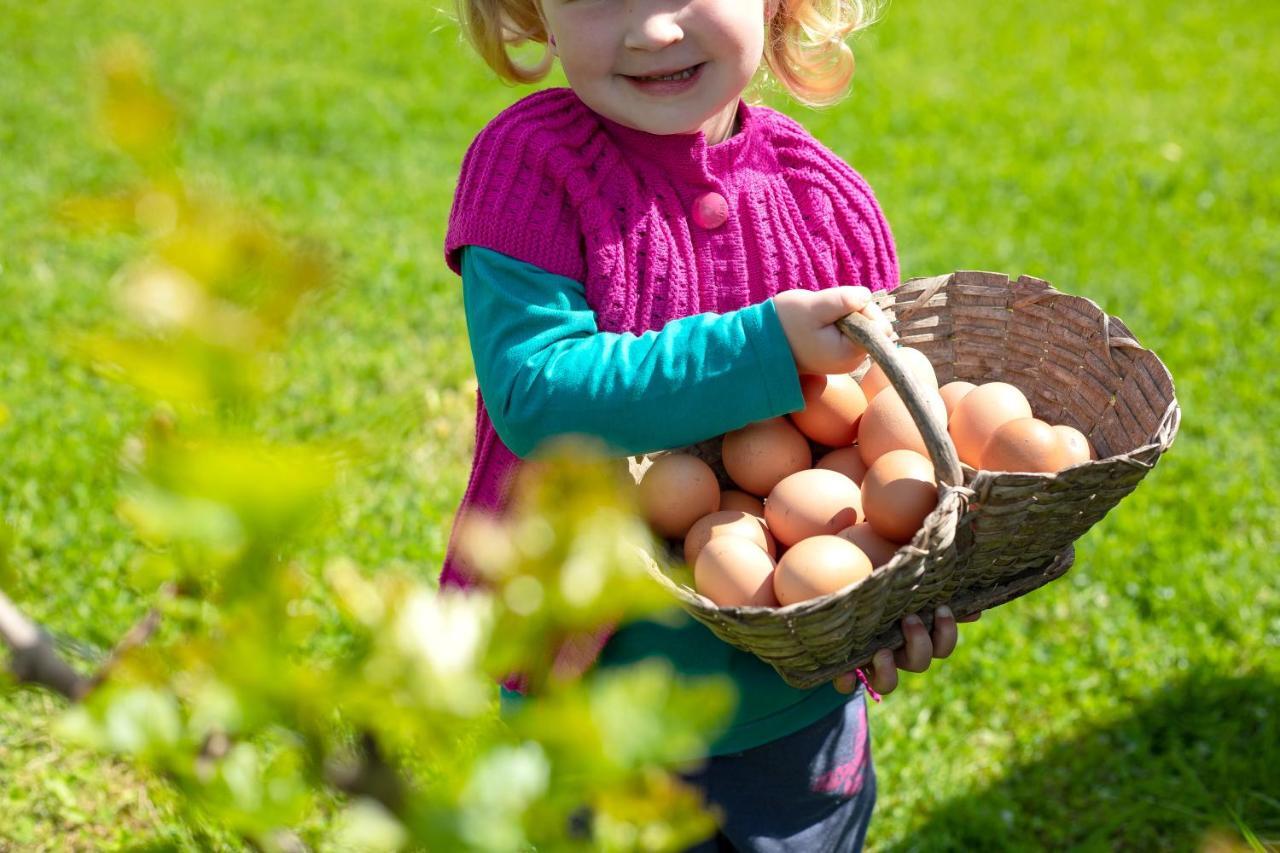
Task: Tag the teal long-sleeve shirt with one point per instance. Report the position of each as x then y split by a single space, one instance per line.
545 368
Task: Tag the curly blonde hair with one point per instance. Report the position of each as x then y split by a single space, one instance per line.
805 48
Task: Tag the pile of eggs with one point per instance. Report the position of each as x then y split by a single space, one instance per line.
795 529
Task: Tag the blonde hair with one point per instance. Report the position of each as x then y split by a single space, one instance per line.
805 47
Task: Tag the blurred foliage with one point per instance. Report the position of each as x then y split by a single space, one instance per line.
586 526
230 705
1122 150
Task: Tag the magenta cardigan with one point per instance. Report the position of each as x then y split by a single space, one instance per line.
656 227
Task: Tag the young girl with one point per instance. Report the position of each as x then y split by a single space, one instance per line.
648 259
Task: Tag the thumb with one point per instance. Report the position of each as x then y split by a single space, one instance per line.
841 301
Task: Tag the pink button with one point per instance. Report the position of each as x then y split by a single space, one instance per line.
710 210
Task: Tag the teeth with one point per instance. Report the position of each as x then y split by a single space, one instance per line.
679 75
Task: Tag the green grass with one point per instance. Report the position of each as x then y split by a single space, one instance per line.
1123 151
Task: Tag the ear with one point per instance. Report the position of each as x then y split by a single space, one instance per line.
546 28
771 9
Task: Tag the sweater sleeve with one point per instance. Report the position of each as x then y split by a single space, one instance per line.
545 369
511 193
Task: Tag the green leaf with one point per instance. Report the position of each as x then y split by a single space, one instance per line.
271 488
133 112
503 784
161 518
149 570
646 715
431 649
367 826
654 812
165 370
140 721
215 706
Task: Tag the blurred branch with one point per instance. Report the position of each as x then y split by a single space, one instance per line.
34 659
370 775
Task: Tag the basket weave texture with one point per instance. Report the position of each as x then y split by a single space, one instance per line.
995 536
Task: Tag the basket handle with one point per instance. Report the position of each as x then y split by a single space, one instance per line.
946 463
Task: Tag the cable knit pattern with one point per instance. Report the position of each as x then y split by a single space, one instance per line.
552 183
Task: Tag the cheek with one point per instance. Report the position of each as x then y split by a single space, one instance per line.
741 34
746 61
582 59
584 73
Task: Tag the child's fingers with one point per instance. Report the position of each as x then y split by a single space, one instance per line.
836 302
945 635
854 297
972 617
884 673
846 683
808 319
848 299
873 311
916 655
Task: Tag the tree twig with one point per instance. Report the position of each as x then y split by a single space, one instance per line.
370 775
136 636
34 660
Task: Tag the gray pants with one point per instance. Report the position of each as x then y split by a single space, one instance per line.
811 791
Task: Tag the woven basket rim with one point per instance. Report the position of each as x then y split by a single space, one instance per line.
985 540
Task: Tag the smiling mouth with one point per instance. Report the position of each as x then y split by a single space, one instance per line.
670 78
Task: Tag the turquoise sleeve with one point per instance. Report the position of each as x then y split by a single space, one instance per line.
545 368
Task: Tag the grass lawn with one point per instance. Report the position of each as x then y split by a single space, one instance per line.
1125 151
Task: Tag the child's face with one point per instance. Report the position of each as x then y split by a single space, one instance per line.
612 49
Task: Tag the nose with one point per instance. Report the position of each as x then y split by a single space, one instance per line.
653 30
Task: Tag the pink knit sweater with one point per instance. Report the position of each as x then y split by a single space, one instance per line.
657 227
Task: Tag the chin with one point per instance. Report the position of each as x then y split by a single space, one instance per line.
665 126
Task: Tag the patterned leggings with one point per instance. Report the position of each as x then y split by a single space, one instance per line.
811 791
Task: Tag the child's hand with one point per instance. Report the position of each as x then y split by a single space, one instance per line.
808 319
915 656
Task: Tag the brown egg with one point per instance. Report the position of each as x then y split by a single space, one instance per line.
1024 444
1075 446
734 499
810 503
832 406
759 455
817 566
887 425
878 549
874 380
677 490
954 392
846 460
725 523
980 413
897 494
771 541
733 572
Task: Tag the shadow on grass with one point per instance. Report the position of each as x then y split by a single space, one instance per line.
1203 754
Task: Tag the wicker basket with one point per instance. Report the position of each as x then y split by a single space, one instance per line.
993 536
